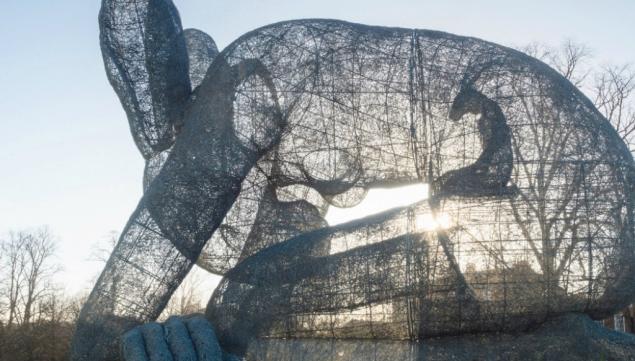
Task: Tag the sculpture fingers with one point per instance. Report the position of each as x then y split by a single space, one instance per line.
146 62
156 343
133 346
204 338
230 357
179 340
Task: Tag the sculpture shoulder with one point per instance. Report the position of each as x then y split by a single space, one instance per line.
323 35
298 29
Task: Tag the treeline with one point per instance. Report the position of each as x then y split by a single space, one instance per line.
37 319
44 340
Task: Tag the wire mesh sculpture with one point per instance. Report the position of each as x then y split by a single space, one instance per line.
530 211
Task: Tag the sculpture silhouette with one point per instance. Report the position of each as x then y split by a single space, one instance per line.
246 149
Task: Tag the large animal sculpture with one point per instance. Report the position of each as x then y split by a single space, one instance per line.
530 211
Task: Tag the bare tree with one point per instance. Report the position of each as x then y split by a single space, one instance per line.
56 307
610 87
186 299
570 58
102 249
39 248
28 256
565 224
614 95
74 306
13 258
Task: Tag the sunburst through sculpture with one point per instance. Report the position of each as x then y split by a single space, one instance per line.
530 212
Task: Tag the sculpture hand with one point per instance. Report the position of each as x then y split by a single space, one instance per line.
178 339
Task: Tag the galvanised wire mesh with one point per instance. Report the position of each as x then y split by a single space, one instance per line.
530 211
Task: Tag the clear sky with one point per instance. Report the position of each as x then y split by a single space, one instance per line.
66 154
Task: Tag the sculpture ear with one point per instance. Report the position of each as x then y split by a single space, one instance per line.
146 60
201 51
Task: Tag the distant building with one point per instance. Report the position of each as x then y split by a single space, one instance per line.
623 321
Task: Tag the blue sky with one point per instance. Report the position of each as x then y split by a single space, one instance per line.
67 157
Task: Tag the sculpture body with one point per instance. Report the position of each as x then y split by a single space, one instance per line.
534 187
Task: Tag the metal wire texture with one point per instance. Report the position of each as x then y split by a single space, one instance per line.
530 211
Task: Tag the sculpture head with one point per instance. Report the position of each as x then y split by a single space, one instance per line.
467 101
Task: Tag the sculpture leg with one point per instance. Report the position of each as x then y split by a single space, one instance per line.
312 289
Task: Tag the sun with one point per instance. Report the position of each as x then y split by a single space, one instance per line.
382 199
430 222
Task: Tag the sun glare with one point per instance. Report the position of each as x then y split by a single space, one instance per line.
378 200
382 199
428 222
